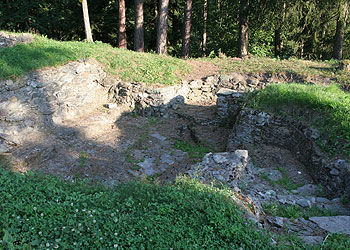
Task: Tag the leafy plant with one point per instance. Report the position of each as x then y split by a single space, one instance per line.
83 159
295 211
45 212
195 151
285 181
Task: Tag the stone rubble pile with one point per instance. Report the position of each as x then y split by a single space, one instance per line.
47 98
10 40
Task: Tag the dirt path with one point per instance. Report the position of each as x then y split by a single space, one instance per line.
201 69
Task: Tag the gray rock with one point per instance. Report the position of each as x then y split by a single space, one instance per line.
276 221
303 203
334 172
167 159
274 175
322 200
338 208
225 92
311 240
219 158
308 190
333 224
4 148
147 166
158 136
227 167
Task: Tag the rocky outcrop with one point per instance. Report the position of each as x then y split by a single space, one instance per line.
227 167
333 224
253 127
44 99
10 40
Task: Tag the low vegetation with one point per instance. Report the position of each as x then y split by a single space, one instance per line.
295 211
302 69
44 212
325 108
195 151
285 181
128 65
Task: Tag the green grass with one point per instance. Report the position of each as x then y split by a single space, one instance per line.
304 69
195 151
325 108
295 211
38 212
285 181
127 65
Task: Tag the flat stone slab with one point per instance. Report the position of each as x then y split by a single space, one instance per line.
333 224
147 166
225 92
311 240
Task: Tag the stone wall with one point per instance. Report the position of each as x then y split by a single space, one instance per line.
149 100
10 40
256 128
46 98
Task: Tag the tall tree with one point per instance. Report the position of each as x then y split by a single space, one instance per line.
162 27
122 43
278 28
139 27
186 38
204 36
86 21
343 14
243 28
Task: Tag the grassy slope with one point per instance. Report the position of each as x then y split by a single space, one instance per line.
47 213
40 211
303 68
128 65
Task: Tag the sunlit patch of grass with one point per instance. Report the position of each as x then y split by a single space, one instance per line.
304 69
125 64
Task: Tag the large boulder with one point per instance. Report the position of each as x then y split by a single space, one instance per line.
227 167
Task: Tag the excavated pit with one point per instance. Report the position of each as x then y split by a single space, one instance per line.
75 121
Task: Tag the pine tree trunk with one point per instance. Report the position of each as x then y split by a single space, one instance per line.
339 34
152 43
86 21
122 42
162 28
139 27
175 21
277 42
186 38
205 18
243 29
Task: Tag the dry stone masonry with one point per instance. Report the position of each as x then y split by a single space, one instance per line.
10 40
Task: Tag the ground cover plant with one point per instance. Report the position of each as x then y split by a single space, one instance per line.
195 151
325 108
295 211
38 212
285 181
126 64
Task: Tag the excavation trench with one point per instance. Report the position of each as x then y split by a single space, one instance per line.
75 121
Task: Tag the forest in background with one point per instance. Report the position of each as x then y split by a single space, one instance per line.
303 29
